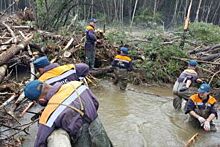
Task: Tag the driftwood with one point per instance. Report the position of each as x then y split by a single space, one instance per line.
3 69
20 128
101 71
27 108
12 32
22 27
210 57
214 76
192 140
208 49
68 44
8 101
49 35
5 56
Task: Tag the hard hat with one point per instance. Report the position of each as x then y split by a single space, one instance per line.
124 50
204 88
93 20
192 63
41 62
33 90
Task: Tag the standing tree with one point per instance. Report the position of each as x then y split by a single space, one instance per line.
197 12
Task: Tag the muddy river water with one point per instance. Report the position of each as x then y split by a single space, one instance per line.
137 118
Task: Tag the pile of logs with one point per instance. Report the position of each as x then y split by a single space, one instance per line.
20 44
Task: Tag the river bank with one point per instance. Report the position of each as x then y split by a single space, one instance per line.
156 56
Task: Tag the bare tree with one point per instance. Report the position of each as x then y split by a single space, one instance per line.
132 19
155 7
198 9
209 9
175 11
215 14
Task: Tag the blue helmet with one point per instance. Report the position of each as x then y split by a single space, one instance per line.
32 90
192 63
93 20
204 88
41 62
124 50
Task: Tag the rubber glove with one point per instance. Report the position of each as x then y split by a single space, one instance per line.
206 126
201 120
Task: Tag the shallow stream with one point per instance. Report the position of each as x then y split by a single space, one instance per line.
143 117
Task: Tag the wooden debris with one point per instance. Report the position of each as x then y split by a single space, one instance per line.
5 56
3 69
192 140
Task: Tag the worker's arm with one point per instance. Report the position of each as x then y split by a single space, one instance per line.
190 109
211 117
92 36
194 114
94 98
42 135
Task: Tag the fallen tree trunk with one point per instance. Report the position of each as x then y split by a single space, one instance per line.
207 49
3 69
101 71
210 57
5 56
52 36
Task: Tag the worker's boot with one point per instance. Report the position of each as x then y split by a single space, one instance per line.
177 103
123 85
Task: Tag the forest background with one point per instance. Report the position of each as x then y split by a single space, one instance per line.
152 28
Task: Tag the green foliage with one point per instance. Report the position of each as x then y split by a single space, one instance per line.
205 32
116 36
146 16
37 39
159 65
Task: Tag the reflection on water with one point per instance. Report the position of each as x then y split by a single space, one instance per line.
137 118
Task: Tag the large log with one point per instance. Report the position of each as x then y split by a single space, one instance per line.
210 57
211 49
7 55
3 69
101 71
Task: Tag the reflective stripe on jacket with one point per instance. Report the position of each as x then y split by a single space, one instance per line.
122 61
199 102
202 107
66 95
58 73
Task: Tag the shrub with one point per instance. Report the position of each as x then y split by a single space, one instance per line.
205 32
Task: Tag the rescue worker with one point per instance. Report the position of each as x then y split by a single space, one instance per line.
202 108
183 88
90 43
122 63
53 72
71 107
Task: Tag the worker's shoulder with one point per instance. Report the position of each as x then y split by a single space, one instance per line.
123 57
194 97
89 28
212 99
